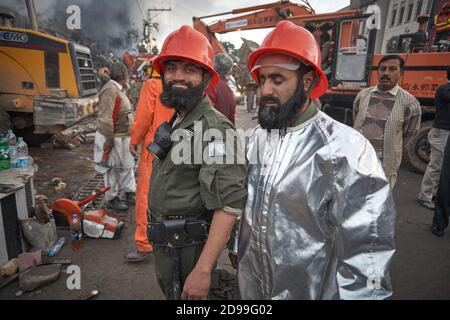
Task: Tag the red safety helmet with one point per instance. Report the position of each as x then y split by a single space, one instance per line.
187 44
290 39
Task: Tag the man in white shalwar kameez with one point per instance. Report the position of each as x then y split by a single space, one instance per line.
113 139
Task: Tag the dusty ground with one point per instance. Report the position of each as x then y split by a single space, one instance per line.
420 269
101 261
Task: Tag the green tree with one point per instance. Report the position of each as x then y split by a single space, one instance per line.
231 50
391 45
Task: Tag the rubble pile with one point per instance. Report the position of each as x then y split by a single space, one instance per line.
35 268
72 137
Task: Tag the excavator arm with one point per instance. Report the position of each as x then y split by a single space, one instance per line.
262 16
202 27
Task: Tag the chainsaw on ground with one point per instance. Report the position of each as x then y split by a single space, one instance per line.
99 223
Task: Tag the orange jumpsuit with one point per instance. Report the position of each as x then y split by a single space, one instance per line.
149 116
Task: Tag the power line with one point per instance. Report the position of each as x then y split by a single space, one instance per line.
140 8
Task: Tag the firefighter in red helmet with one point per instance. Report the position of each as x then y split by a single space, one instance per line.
319 218
195 193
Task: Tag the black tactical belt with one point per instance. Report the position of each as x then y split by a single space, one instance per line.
177 232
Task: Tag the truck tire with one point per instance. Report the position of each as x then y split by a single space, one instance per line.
417 154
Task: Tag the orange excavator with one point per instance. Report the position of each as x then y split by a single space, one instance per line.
347 39
262 16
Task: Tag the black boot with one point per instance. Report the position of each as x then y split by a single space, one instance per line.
438 232
117 204
130 197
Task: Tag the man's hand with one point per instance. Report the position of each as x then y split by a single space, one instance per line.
108 145
198 282
196 286
133 150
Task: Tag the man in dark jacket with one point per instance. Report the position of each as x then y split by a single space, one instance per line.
442 209
437 137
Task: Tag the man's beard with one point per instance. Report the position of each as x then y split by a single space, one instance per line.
282 115
182 100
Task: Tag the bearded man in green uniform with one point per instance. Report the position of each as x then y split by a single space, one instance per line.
197 186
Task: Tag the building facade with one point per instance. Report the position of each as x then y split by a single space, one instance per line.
402 19
398 17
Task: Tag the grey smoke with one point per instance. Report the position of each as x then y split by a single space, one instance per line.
116 25
106 26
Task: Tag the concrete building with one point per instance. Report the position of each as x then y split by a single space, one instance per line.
397 17
402 19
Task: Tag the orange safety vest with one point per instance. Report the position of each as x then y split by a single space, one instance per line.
441 22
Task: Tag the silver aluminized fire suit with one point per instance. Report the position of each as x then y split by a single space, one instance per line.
319 219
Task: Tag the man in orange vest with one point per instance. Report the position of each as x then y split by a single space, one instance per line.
150 114
442 23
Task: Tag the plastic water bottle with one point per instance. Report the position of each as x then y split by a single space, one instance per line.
12 142
57 247
22 153
75 232
4 153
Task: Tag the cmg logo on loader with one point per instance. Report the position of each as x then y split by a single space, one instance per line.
13 36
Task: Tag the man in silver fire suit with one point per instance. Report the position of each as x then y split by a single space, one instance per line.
319 218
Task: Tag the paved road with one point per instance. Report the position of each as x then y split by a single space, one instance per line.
421 265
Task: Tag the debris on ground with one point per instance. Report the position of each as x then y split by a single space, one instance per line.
10 268
60 187
9 187
39 236
55 181
29 259
92 295
39 276
80 132
90 138
55 261
9 280
41 211
57 247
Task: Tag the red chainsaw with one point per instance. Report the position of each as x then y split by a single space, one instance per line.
94 223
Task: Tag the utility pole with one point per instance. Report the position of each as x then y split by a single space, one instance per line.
149 25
